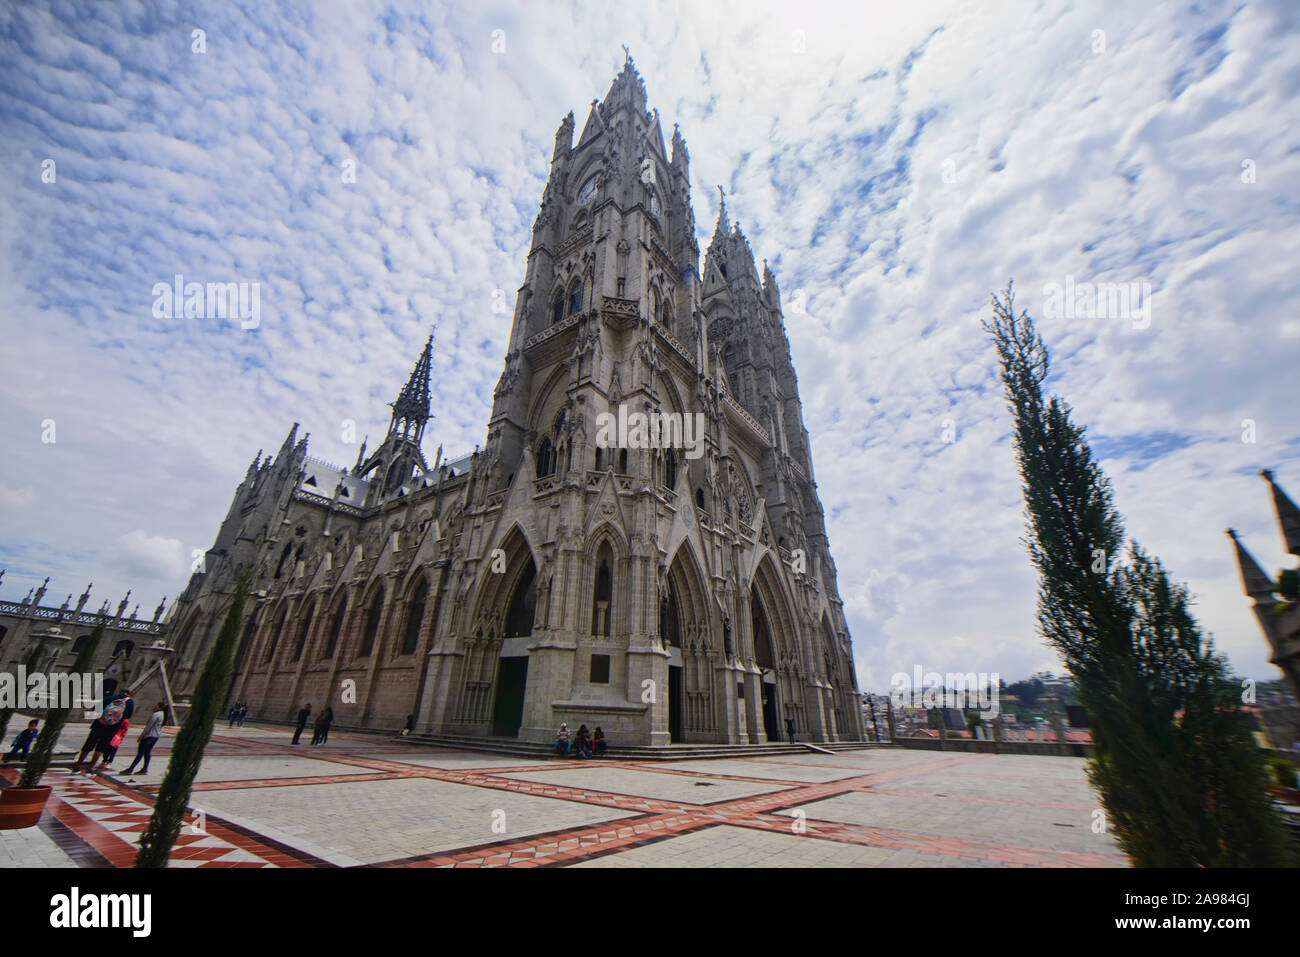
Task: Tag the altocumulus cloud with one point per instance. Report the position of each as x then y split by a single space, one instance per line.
894 165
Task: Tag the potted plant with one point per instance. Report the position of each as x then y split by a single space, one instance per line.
22 804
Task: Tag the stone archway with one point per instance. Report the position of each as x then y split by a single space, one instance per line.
686 633
496 656
774 631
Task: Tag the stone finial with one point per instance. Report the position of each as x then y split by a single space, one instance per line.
85 597
121 607
40 592
157 612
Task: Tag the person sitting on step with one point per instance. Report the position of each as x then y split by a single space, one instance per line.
582 743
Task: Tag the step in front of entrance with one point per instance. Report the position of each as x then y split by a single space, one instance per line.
672 752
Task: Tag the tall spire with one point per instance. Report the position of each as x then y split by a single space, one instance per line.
1257 584
411 410
1288 515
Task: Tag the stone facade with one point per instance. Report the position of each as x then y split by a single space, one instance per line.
663 590
125 656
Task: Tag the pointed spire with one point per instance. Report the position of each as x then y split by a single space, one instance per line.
1288 515
1256 584
563 138
628 85
290 441
681 156
411 410
723 223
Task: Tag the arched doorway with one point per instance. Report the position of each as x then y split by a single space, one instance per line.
494 673
684 630
776 653
512 665
766 661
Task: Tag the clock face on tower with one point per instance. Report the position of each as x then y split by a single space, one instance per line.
588 191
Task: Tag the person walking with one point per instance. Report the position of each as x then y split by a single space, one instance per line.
243 713
303 715
148 738
789 727
234 714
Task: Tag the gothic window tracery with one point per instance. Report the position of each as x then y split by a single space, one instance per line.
414 617
372 624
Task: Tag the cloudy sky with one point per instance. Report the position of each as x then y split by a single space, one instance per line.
895 163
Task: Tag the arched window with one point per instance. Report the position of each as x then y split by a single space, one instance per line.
557 308
124 648
275 637
699 498
372 624
79 643
284 557
523 605
603 593
763 656
622 461
336 628
575 298
414 617
302 633
670 618
670 469
545 458
600 458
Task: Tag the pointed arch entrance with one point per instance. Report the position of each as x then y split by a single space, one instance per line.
496 648
775 654
685 632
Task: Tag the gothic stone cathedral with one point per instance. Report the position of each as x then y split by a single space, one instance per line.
665 594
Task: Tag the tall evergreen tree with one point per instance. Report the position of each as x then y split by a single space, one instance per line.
1178 772
187 753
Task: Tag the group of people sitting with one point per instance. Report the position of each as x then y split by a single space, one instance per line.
584 743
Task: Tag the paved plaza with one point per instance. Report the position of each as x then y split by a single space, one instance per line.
363 800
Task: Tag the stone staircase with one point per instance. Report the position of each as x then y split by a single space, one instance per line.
672 752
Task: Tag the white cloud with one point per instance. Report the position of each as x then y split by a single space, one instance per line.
225 166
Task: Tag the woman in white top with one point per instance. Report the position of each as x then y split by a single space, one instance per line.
148 738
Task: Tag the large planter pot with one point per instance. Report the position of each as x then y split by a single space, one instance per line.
22 807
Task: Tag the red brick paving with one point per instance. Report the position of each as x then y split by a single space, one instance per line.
105 801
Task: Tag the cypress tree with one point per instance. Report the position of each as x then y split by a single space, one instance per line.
1178 773
187 752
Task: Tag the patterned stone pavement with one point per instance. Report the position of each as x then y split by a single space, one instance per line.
362 800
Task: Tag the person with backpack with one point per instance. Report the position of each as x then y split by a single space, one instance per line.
23 742
104 728
148 738
108 749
